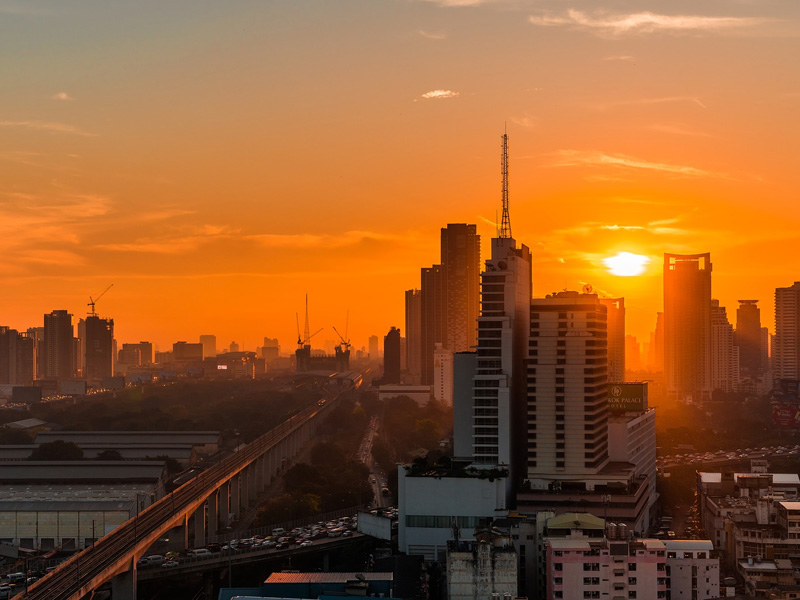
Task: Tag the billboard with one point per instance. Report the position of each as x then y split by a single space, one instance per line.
73 388
627 397
26 394
786 415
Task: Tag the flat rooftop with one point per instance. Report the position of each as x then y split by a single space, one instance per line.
327 577
130 437
81 471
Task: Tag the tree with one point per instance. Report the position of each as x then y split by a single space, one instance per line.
110 454
57 450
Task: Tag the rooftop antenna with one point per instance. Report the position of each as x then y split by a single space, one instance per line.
306 330
505 226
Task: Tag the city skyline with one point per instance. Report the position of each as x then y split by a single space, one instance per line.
217 163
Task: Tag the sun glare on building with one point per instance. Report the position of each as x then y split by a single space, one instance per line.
626 264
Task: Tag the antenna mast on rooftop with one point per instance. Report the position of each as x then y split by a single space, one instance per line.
307 329
505 226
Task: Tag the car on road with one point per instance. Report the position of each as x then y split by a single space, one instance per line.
306 544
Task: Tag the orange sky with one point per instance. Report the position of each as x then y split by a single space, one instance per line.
216 161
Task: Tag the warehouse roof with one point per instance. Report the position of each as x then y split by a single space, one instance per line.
83 470
327 577
130 437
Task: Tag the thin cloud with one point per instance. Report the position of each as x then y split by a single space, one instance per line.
458 3
678 130
573 158
649 101
62 96
48 127
643 22
526 121
438 95
432 35
618 57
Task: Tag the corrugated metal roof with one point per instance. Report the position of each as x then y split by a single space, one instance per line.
25 424
568 544
326 577
126 437
84 470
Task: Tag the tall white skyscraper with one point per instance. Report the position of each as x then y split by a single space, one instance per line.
786 342
724 354
567 414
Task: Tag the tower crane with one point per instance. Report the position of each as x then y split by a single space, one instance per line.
93 301
345 340
306 338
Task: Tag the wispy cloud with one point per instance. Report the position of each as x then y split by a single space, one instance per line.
618 57
527 121
649 101
62 96
438 95
678 130
603 23
457 3
572 158
432 35
48 127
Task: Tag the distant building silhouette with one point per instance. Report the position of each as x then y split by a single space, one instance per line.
786 341
461 264
16 357
209 345
374 353
434 325
724 354
687 326
616 337
59 345
443 375
99 348
184 351
391 356
414 335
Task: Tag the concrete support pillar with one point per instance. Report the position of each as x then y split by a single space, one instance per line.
264 471
236 498
225 504
272 463
244 487
252 479
213 515
200 526
326 559
123 586
179 537
258 467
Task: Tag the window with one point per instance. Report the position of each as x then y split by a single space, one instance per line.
632 566
557 566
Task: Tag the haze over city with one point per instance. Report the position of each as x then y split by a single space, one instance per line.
218 161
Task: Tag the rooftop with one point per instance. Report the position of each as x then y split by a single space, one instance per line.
327 577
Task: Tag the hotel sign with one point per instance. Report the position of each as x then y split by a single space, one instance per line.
627 397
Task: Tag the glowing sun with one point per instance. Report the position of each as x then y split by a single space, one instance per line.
626 264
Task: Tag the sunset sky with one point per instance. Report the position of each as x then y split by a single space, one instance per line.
217 160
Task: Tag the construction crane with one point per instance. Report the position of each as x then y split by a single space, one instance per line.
306 339
93 301
345 340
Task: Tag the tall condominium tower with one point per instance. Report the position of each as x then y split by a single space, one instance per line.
59 359
499 383
414 335
687 326
748 337
99 347
786 341
616 338
567 412
210 345
433 321
461 264
391 356
724 354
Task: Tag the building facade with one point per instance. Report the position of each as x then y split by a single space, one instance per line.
687 326
786 341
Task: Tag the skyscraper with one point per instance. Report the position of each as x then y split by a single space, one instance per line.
616 338
210 345
414 335
748 337
503 329
724 354
433 317
567 369
687 326
99 348
59 359
786 341
461 260
391 356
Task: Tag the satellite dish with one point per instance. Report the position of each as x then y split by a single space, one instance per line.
587 289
